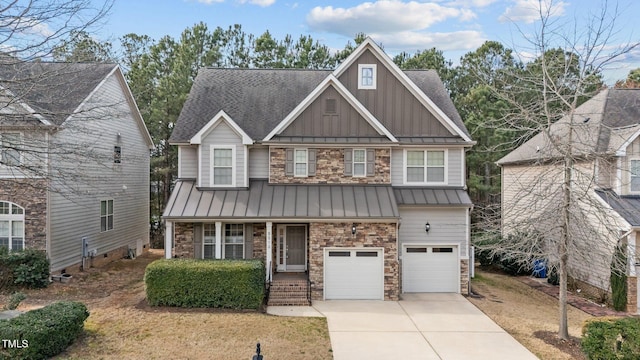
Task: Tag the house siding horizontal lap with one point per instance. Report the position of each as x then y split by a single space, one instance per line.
447 226
258 163
188 162
222 135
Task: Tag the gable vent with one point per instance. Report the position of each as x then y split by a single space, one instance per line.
330 106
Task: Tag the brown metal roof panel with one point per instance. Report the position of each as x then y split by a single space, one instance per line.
373 202
192 203
182 198
265 201
255 196
387 202
430 197
441 199
290 201
229 203
313 201
362 208
452 196
278 201
349 199
301 203
217 202
204 204
325 202
337 201
241 203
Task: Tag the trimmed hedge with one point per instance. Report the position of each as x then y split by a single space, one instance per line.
42 333
233 284
28 268
612 339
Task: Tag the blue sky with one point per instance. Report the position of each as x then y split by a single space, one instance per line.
453 26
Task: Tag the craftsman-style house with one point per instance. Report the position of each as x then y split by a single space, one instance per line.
354 179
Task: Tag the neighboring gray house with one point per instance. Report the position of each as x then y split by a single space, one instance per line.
74 163
606 133
351 179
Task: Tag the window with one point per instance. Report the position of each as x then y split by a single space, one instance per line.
106 215
222 159
11 226
634 169
234 241
10 154
425 166
209 241
117 154
300 164
366 76
359 162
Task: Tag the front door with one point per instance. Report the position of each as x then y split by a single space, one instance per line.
292 251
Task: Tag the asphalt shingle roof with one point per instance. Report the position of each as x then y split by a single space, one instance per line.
259 99
53 90
627 206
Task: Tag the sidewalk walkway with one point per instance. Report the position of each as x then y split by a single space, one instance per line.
572 299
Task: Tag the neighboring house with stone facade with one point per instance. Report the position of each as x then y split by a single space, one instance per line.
351 179
606 175
74 163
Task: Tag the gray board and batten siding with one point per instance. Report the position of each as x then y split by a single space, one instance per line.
74 215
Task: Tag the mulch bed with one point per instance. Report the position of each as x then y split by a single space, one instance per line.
571 346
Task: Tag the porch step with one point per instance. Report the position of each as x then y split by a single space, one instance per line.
288 293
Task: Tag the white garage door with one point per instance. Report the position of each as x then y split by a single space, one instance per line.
430 269
353 274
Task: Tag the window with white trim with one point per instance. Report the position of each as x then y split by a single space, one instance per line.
209 241
106 215
425 166
233 241
634 170
300 162
222 166
367 76
10 145
359 162
11 226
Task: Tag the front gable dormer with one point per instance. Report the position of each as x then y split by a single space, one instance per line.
222 150
330 110
391 97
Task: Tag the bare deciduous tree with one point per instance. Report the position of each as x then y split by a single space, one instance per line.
550 208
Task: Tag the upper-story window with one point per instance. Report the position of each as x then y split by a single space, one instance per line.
222 165
634 170
367 76
10 145
11 226
359 162
300 162
425 166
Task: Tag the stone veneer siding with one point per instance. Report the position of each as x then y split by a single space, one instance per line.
323 235
464 276
31 194
330 168
259 243
183 241
632 294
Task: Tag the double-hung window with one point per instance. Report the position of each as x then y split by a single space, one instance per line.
11 226
425 166
106 215
222 169
209 241
300 162
634 170
10 145
234 241
359 162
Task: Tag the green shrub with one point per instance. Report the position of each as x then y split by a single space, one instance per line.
28 268
235 284
42 333
612 339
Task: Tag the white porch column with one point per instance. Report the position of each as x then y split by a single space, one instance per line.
218 240
168 237
269 254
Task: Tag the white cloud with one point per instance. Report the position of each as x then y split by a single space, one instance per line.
382 17
208 2
471 3
528 11
262 3
413 41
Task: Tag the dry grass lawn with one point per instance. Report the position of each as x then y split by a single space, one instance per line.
524 312
122 326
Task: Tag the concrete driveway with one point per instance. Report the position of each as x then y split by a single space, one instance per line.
421 326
